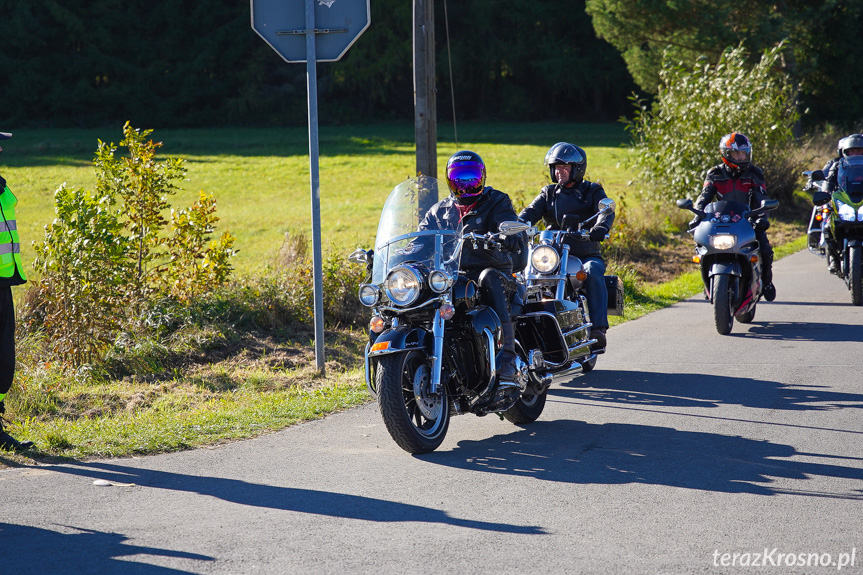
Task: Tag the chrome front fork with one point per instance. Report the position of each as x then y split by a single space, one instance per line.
437 358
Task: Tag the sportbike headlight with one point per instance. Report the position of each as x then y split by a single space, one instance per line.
544 259
860 214
846 212
403 285
723 241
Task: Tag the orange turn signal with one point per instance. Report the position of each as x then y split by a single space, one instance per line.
381 346
753 258
581 275
696 259
819 217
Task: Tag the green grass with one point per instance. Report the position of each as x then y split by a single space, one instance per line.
260 177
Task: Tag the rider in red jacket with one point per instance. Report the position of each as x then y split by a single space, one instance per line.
737 179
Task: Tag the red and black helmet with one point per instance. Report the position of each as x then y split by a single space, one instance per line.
735 142
465 176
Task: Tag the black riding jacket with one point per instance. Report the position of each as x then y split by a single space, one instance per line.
492 208
555 201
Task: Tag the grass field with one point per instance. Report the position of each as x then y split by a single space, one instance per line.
261 176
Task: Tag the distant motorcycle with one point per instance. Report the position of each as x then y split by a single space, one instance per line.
553 288
843 227
819 219
433 347
727 250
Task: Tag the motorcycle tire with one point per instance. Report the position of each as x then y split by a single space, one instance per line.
588 364
723 295
854 274
746 317
527 409
416 429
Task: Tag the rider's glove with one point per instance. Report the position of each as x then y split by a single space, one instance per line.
761 224
597 233
695 221
511 243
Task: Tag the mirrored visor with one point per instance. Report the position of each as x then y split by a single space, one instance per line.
465 179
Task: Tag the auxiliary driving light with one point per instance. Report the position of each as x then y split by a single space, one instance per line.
376 324
447 311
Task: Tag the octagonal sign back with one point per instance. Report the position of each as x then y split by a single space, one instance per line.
281 23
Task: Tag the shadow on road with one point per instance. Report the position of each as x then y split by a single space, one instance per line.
801 331
645 388
282 498
36 550
616 453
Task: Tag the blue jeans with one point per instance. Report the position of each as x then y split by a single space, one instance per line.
597 295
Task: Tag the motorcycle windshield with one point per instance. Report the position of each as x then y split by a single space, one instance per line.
399 240
850 177
725 212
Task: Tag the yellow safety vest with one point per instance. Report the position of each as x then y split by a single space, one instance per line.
10 244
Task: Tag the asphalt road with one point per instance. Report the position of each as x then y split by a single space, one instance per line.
682 449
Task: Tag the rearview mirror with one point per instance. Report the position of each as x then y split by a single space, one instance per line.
606 205
512 228
684 204
359 256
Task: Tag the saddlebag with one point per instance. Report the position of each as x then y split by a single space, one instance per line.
614 287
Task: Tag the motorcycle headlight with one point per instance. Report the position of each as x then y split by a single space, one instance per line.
440 281
403 285
723 241
369 295
846 212
860 214
544 259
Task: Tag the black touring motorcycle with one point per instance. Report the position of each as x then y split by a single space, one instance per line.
433 346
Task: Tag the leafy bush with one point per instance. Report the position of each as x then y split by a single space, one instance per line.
107 255
676 140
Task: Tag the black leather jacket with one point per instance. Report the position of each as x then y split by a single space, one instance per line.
555 201
491 209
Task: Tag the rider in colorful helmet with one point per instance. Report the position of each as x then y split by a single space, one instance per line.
571 194
481 209
737 179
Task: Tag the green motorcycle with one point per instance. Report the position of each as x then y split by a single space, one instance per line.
843 226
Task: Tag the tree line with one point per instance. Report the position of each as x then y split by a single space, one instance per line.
178 63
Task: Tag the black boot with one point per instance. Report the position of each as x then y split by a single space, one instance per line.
507 369
598 333
9 443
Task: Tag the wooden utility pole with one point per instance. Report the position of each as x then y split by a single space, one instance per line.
425 102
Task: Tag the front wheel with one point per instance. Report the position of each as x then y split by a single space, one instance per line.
723 295
854 274
416 419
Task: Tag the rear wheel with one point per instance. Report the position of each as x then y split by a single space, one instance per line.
723 295
854 274
587 365
416 419
747 317
527 409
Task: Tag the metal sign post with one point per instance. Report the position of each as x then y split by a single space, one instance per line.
342 22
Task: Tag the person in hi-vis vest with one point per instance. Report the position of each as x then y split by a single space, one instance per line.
11 274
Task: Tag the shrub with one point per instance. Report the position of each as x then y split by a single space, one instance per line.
676 140
108 255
